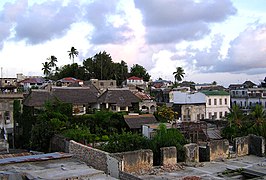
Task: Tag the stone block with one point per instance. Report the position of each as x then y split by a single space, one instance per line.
168 156
191 152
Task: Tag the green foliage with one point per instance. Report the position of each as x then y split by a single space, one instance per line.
101 66
139 71
127 141
79 134
179 74
165 114
166 138
240 124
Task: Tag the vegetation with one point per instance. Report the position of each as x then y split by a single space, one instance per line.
179 74
166 114
240 124
166 138
72 53
139 71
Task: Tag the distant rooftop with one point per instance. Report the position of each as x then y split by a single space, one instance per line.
215 93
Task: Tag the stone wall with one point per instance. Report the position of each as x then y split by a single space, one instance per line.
256 145
92 157
191 152
59 144
219 149
136 161
168 156
241 146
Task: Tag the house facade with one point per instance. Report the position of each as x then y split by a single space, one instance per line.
133 80
217 104
147 103
246 98
190 106
118 99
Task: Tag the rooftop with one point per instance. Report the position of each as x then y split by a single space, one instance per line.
215 93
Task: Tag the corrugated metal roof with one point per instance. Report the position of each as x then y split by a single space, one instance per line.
31 158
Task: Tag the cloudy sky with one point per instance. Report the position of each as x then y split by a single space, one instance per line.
213 40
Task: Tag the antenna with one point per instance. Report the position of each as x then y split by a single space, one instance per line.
1 72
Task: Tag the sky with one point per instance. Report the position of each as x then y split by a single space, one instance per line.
213 40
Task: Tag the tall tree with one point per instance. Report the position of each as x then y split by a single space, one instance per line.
139 71
179 74
72 53
52 60
46 68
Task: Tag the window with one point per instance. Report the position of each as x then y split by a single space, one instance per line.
101 84
241 104
221 101
225 101
122 108
210 115
7 117
210 102
225 113
198 117
215 101
113 108
221 114
111 83
215 115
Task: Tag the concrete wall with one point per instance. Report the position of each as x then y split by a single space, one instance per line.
191 152
93 157
219 149
136 161
241 146
256 145
168 156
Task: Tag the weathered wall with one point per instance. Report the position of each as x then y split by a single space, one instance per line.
59 144
93 157
241 146
219 149
256 145
136 161
191 152
168 156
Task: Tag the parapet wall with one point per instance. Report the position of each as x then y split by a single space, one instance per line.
192 152
92 157
241 146
168 156
219 149
136 161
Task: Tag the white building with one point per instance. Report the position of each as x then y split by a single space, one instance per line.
190 106
133 80
246 98
217 104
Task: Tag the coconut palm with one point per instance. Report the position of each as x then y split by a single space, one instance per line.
258 115
52 60
46 68
72 53
179 74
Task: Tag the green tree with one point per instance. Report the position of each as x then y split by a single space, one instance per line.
165 138
166 114
72 53
52 61
127 141
179 74
46 68
139 71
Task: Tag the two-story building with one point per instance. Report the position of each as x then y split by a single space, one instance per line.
217 104
190 106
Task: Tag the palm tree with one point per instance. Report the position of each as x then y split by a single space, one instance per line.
52 60
258 114
235 116
72 53
179 74
46 68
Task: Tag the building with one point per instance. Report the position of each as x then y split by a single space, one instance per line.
103 85
133 80
147 103
246 98
217 104
82 99
136 121
118 99
190 106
